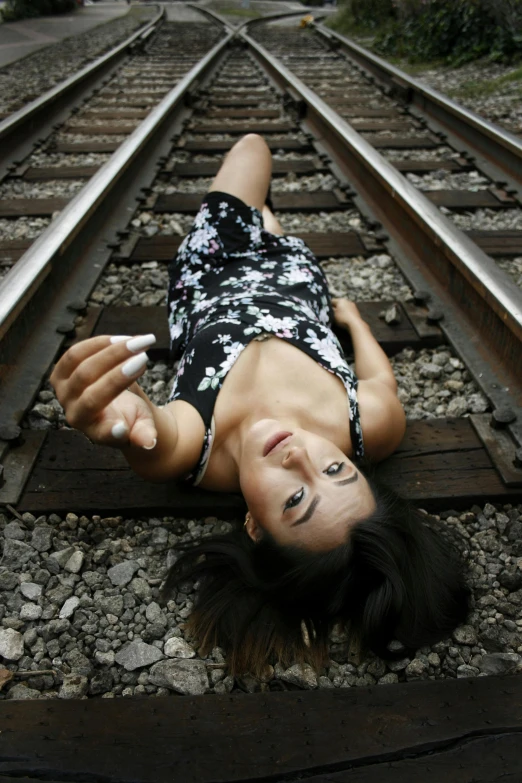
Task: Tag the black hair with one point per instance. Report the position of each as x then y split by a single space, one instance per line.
394 578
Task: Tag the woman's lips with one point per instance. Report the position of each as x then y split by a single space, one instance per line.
274 441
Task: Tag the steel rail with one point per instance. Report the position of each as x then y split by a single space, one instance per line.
490 301
35 265
501 150
22 127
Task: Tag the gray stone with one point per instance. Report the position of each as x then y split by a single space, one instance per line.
122 573
466 634
178 648
42 538
8 580
74 686
141 589
30 612
430 370
79 663
186 677
392 316
500 663
105 658
416 669
62 556
136 654
69 607
154 614
101 682
14 532
304 676
30 590
22 692
465 670
16 553
75 562
59 594
11 644
111 604
458 406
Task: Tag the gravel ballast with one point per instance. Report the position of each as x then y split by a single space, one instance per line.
80 614
29 78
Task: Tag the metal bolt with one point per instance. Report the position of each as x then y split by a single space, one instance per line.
502 416
77 306
66 328
517 462
10 432
421 297
434 315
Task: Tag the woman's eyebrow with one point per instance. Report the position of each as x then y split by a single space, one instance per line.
347 481
306 516
313 505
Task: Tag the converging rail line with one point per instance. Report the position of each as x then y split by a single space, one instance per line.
342 152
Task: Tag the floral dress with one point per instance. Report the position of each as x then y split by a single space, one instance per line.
232 282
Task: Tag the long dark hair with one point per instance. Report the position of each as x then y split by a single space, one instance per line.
394 578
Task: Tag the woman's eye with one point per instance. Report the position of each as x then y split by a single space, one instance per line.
294 500
340 466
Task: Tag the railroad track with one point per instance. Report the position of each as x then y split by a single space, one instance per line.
81 277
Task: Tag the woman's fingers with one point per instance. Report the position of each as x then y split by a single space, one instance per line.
97 395
93 373
82 365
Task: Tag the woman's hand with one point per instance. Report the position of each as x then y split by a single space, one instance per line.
94 382
345 312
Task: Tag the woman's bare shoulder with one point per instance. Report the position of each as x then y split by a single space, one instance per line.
383 420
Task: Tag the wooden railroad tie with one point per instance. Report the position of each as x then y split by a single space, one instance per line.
428 731
441 464
137 249
323 200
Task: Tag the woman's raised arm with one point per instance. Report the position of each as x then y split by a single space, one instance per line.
383 419
95 382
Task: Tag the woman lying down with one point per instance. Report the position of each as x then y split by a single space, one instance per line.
264 404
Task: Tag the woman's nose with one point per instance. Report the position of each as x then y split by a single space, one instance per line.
296 455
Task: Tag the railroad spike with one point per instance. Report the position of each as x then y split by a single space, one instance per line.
517 462
502 416
10 432
434 315
421 297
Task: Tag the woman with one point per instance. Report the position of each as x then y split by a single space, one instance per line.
284 421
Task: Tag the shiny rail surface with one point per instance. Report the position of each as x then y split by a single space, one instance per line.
490 300
500 150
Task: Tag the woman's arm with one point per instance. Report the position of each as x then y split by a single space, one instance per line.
95 384
383 419
371 363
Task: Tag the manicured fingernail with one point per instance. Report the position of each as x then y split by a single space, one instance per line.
149 448
141 342
134 365
119 430
119 338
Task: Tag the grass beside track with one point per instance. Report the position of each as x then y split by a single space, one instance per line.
468 89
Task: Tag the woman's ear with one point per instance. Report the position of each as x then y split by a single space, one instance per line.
252 528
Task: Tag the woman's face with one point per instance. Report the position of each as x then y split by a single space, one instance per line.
303 490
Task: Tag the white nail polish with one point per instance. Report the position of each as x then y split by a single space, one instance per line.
134 365
149 448
119 430
119 338
142 341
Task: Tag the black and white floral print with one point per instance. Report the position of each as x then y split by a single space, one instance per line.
232 281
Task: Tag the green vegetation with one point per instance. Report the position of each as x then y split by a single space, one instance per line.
481 89
246 12
21 9
449 31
